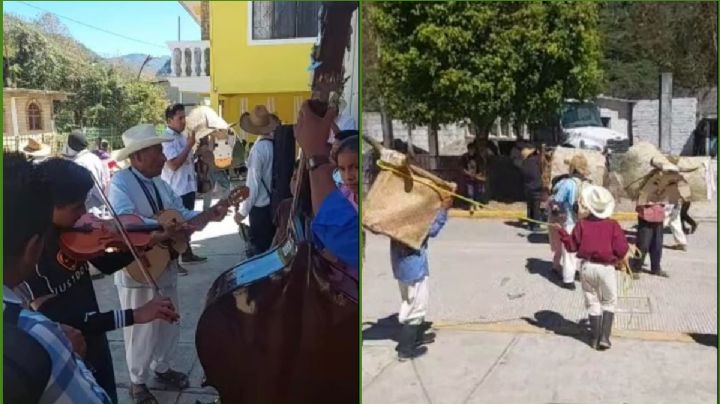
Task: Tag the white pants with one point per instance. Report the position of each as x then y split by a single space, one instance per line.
599 285
151 346
672 219
415 299
569 265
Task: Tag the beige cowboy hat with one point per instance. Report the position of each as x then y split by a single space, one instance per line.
259 122
527 151
137 138
33 148
578 163
203 121
598 200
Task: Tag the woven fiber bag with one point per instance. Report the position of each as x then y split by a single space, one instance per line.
403 208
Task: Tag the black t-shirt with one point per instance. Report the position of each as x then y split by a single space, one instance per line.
75 303
532 176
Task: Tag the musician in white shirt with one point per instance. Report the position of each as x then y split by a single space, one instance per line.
139 190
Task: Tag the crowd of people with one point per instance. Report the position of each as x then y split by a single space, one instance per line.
51 311
586 244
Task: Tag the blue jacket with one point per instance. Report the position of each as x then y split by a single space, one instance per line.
409 265
336 228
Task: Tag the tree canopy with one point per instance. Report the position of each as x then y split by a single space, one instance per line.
447 61
41 55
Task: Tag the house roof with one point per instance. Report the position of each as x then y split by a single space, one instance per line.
193 8
59 95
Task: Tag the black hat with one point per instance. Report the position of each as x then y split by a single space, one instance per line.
77 141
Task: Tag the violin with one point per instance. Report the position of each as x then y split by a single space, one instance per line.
92 237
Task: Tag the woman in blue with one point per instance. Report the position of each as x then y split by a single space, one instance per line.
335 226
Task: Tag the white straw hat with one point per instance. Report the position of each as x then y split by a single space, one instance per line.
137 138
598 200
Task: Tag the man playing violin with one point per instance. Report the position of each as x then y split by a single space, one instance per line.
61 287
139 190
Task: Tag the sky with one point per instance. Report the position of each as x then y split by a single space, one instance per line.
152 22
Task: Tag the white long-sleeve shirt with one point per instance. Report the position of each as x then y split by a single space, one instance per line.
259 166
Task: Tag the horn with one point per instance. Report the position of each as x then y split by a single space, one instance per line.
655 165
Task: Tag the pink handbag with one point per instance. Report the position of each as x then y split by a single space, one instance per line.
652 213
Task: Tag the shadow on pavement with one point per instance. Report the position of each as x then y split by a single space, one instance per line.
543 268
559 325
385 328
705 339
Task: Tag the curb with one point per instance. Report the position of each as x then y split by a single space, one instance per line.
517 214
523 327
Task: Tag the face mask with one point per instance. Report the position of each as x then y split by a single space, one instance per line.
337 178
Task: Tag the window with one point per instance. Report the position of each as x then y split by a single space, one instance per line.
273 20
34 115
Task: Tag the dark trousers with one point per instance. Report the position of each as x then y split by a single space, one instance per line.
685 217
650 239
188 201
262 229
533 208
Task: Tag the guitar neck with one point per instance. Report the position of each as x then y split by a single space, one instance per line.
204 217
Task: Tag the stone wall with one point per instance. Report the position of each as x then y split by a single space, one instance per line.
646 123
452 139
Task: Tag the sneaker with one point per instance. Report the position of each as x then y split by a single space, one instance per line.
660 273
182 271
192 259
569 286
416 352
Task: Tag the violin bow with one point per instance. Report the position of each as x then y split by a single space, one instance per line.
126 238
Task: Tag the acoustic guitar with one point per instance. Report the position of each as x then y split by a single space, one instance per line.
158 257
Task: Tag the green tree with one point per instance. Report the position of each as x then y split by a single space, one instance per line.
40 55
641 39
449 61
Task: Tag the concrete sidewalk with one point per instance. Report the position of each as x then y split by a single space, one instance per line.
497 367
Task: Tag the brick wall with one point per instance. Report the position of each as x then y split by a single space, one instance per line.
646 123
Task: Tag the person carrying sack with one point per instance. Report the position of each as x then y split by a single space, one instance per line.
600 244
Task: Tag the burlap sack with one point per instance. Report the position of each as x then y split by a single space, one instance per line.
595 159
695 172
635 174
401 208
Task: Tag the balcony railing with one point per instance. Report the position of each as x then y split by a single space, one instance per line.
190 58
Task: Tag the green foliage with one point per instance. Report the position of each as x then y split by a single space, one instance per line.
443 62
41 56
641 39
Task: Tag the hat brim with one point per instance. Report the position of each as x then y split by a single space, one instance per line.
44 151
123 154
248 126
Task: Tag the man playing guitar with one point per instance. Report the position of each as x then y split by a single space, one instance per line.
139 190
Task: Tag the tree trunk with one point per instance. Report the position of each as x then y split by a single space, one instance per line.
410 144
387 129
433 145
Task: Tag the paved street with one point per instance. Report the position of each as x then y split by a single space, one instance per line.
508 333
222 245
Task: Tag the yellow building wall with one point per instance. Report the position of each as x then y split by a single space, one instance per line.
238 67
285 106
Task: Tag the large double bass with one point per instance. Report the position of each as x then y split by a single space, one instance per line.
283 327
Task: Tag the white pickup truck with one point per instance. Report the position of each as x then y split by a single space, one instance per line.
582 128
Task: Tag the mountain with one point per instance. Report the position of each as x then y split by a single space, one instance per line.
134 61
